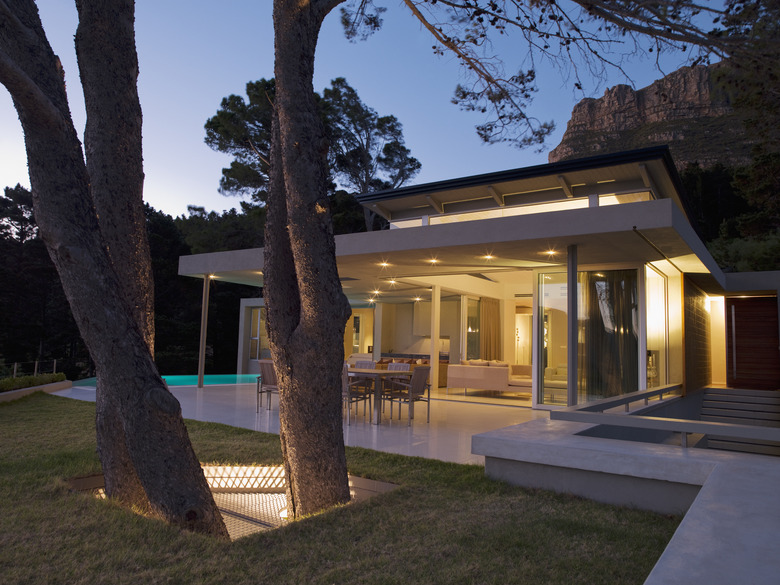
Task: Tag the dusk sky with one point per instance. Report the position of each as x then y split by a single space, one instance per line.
192 54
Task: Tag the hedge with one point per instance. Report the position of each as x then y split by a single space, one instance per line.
7 384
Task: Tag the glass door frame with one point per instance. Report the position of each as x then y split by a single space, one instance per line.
537 379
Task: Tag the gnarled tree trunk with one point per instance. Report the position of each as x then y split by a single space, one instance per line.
149 428
108 66
307 309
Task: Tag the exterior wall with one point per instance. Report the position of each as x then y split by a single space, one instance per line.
698 369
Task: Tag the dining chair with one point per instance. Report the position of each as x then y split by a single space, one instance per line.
351 393
266 382
389 382
417 389
366 382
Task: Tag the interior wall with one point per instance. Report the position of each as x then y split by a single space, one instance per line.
404 327
244 365
366 335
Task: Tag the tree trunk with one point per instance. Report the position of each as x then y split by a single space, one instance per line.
108 64
147 415
307 309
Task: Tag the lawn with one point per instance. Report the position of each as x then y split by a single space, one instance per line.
445 524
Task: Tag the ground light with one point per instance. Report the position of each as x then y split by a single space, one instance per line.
251 498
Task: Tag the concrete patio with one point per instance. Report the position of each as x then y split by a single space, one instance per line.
454 420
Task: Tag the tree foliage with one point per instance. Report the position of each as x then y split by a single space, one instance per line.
242 128
367 151
37 322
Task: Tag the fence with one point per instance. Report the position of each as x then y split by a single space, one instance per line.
15 369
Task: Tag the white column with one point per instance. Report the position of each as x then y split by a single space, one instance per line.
377 332
572 342
204 317
435 329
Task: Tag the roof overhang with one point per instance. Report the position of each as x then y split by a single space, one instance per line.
646 170
399 262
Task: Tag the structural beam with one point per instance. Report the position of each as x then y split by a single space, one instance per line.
565 186
496 196
378 209
436 204
648 181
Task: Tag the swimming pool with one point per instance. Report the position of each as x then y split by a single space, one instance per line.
192 380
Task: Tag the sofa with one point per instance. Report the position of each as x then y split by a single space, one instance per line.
489 375
556 377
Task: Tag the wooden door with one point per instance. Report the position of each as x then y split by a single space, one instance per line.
753 347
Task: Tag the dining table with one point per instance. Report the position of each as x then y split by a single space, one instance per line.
378 376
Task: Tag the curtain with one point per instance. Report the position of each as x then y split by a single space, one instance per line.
608 333
489 329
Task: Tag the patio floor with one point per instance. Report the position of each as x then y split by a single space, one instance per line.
454 419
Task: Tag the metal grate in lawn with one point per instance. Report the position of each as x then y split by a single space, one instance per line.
248 513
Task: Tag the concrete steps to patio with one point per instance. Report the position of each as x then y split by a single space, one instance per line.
746 407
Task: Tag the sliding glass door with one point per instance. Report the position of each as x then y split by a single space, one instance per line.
608 330
607 335
553 339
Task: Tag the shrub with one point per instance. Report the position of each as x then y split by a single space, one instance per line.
8 384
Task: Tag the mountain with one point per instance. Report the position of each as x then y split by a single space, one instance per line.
684 110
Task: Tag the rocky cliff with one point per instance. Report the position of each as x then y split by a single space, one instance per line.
683 110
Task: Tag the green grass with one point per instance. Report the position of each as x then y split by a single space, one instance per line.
445 524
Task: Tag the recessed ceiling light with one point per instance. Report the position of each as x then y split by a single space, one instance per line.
376 292
433 260
417 299
384 264
550 252
488 257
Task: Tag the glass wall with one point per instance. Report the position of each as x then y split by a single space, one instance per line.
553 338
607 335
608 331
657 330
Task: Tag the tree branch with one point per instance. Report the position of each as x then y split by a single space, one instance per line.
26 92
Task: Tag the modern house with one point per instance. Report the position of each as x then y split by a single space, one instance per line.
585 275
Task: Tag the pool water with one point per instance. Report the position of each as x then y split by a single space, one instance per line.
208 380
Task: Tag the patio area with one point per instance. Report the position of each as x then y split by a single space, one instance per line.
454 419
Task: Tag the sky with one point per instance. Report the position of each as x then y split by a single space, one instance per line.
192 54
